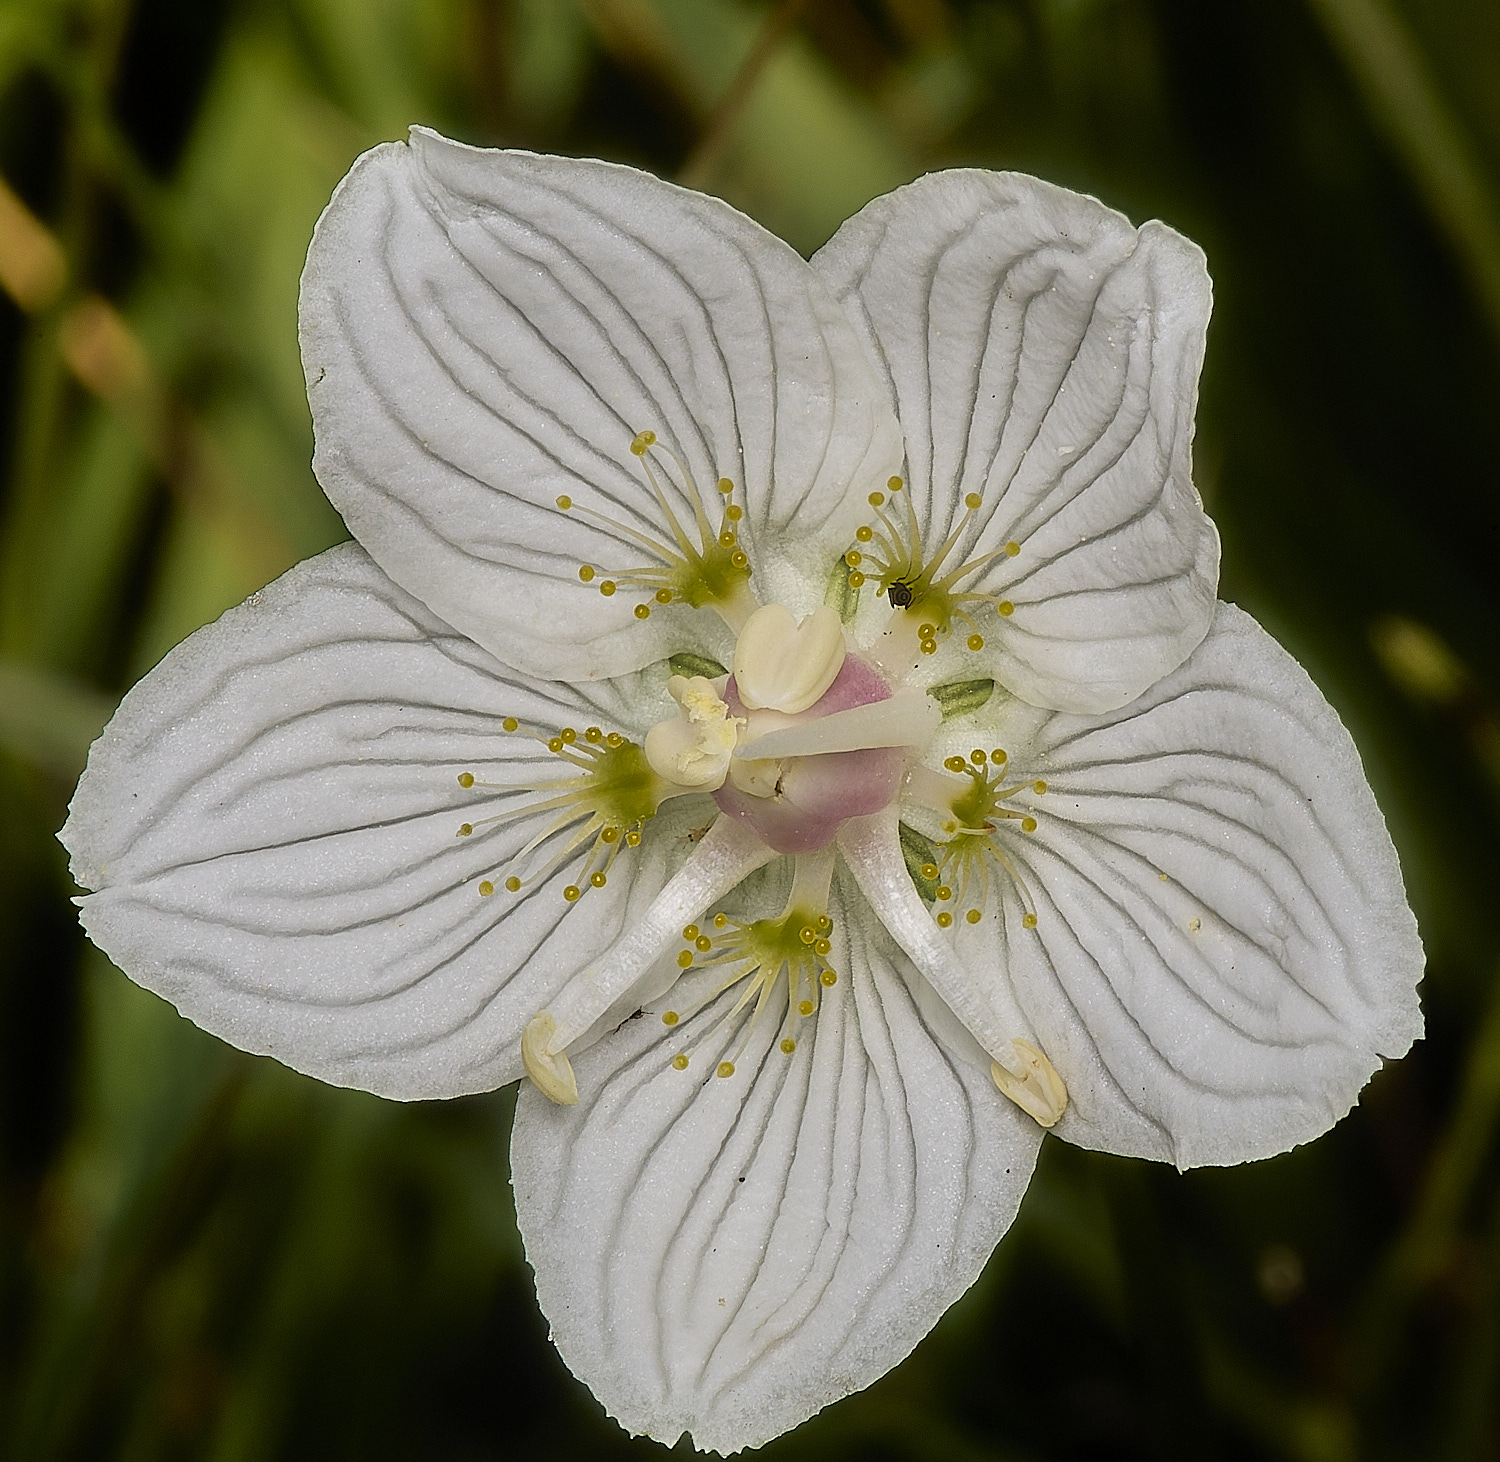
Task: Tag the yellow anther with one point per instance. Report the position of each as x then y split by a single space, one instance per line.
973 916
1039 788
929 870
739 559
594 735
607 587
614 740
788 1045
1012 548
572 893
669 1017
465 828
822 946
565 502
643 611
720 920
734 512
929 647
854 558
633 839
555 743
1006 608
1028 921
703 944
998 757
597 878
486 888
856 580
663 596
824 924
828 978
510 723
807 934
691 933
864 533
805 1007
680 1062
926 631
977 756
971 500
943 893
726 538
725 486
513 884
466 779
568 734
642 443
1028 824
944 919
725 1071
685 959
894 483
955 763
586 574
877 499
975 642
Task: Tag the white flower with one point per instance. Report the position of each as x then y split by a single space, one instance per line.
997 823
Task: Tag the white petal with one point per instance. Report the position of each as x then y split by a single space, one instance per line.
726 1257
270 824
1224 951
1045 354
486 331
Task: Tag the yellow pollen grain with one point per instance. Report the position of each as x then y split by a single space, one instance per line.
976 642
864 533
854 558
828 978
669 1017
929 870
944 919
856 580
663 596
1028 824
734 512
1006 608
609 835
998 757
1028 921
465 828
597 879
821 946
572 893
720 920
739 559
593 734
607 587
726 538
510 723
877 499
926 631
642 441
568 734
691 932
725 486
954 764
1039 788
971 500
643 611
929 647
703 944
513 884
466 779
1012 548
565 502
614 739
685 960
789 1045
977 757
680 1062
486 888
894 483
586 574
806 1007
944 893
973 916
725 1071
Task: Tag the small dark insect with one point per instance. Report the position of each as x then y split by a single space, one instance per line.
899 594
697 832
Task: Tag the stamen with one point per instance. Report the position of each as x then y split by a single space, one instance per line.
712 572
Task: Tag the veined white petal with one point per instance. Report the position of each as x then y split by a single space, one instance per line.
1045 354
728 1256
484 332
1224 952
269 824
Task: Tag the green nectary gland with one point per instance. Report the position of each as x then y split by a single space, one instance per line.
623 791
975 807
711 576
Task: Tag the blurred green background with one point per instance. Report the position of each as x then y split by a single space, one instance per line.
205 1256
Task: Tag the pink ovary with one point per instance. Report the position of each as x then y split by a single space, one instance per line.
815 794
